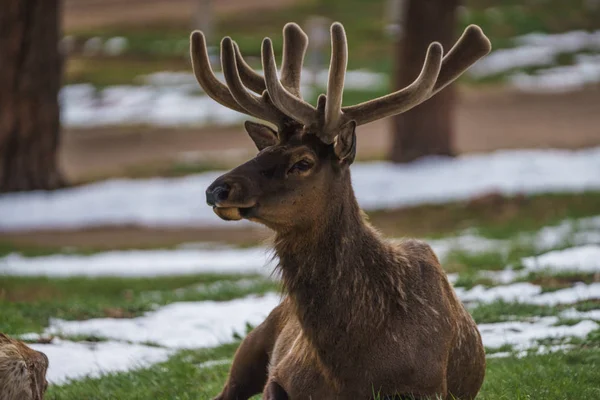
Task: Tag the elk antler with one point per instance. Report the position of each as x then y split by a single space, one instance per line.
239 75
280 99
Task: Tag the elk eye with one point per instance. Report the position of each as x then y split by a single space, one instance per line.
301 166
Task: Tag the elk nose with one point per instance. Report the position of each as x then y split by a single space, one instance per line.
217 194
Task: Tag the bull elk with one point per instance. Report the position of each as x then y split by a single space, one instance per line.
22 371
360 315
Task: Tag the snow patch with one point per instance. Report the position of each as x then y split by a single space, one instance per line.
524 335
167 99
535 49
523 353
76 360
577 259
178 325
178 201
528 293
138 263
214 363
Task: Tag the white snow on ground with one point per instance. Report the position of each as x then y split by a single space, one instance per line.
206 324
70 360
580 259
576 293
525 292
536 50
178 325
503 60
214 363
567 42
575 314
585 71
517 292
354 79
195 259
576 232
168 99
542 349
141 263
83 106
180 201
465 242
523 335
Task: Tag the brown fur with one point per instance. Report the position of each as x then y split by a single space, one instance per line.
360 316
22 371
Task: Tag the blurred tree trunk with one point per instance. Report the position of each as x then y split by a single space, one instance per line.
30 74
428 128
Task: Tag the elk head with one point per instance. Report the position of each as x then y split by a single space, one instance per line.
305 161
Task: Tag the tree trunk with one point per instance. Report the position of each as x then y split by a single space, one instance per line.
30 74
428 128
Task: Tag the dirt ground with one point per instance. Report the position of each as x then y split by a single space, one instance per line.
485 121
92 14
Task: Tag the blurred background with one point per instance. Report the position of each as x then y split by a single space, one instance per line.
127 94
107 142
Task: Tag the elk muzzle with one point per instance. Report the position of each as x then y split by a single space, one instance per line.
232 196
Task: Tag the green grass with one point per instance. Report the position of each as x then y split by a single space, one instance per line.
495 218
369 46
573 376
501 311
26 304
179 378
467 261
7 247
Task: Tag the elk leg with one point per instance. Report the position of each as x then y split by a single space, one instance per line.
274 391
248 374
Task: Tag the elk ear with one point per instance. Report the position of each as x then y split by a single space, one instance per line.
345 143
261 135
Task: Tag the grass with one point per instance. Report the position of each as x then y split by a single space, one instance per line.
501 311
107 71
573 375
28 303
496 217
550 280
369 46
179 378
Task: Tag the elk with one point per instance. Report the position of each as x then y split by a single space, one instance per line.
360 316
22 371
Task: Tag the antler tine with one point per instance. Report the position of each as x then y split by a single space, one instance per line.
335 84
250 78
254 105
205 75
295 43
291 105
472 45
404 99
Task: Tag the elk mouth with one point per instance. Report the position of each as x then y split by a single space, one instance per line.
234 213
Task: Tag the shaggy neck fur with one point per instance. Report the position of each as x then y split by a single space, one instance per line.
339 276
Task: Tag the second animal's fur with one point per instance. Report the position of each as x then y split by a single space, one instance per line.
22 371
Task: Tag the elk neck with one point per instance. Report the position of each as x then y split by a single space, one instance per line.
338 273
